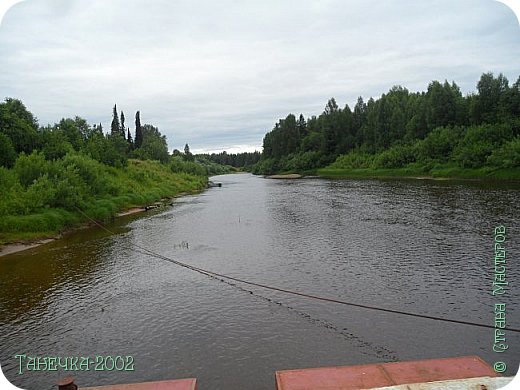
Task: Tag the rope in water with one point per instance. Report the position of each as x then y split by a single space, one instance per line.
216 275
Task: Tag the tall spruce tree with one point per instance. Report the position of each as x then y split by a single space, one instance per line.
122 124
115 129
138 131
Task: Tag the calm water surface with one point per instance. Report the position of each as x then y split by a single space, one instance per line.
412 245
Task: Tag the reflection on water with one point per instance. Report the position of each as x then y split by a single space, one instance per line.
412 245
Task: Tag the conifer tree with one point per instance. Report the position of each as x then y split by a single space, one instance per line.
129 139
122 124
138 131
115 129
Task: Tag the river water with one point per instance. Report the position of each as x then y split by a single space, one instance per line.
419 246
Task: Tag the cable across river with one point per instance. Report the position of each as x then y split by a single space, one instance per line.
223 277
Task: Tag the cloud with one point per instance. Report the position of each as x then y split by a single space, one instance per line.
220 74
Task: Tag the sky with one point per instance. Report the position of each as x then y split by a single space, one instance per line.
219 74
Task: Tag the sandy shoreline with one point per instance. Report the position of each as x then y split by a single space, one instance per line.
22 246
131 211
286 176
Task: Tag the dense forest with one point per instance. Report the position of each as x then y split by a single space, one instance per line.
49 173
403 129
244 160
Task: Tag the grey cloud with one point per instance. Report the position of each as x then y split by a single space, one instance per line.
218 74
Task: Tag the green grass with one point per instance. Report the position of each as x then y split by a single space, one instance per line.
450 172
138 184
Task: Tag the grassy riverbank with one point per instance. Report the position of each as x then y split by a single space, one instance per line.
48 205
439 172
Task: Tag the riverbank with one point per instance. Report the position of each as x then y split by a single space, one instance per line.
438 173
286 176
27 241
126 191
441 173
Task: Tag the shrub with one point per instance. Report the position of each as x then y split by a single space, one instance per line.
507 156
28 168
353 160
396 157
438 145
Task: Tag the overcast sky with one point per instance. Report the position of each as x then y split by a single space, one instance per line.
219 74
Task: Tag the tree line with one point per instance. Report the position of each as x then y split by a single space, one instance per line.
237 160
439 125
20 133
48 172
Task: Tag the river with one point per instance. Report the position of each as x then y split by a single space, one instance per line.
422 246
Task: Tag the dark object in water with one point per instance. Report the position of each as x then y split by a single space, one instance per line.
213 184
67 384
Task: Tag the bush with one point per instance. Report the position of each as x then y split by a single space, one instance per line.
473 155
303 161
28 168
91 172
353 160
396 157
507 156
478 144
438 145
178 165
266 166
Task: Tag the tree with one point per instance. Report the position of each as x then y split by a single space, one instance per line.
187 154
74 130
301 126
138 131
491 93
56 141
115 128
154 146
7 152
19 125
129 139
122 124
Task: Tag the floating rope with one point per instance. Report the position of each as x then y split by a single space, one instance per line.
222 277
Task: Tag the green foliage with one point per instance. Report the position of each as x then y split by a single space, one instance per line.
397 156
72 165
138 130
153 145
7 152
473 155
110 150
17 123
211 167
53 190
312 142
353 160
55 144
507 156
439 126
238 160
478 144
179 165
439 144
267 166
75 131
40 194
28 168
